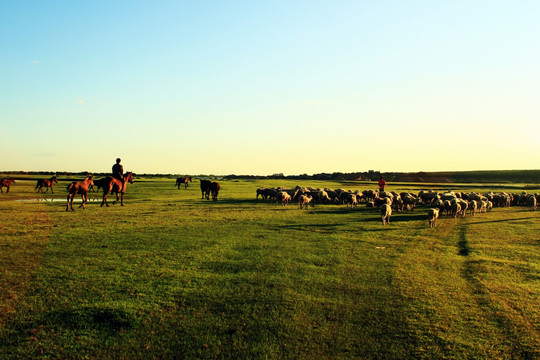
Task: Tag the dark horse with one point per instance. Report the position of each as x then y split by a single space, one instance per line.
6 183
100 184
79 187
183 180
209 187
205 189
113 185
47 183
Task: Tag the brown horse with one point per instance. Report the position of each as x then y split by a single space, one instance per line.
183 180
6 183
79 187
47 183
111 185
214 189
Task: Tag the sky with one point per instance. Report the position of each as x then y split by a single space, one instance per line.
264 87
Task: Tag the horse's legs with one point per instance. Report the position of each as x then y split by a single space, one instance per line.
84 198
104 201
70 203
118 198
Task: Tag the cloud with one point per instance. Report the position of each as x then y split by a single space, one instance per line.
35 62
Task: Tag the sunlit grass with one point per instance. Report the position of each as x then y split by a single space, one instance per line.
172 276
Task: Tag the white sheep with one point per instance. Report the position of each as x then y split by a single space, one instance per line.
532 202
284 197
304 200
433 215
455 208
386 212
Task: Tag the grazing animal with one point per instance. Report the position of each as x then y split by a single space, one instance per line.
100 184
386 212
205 189
284 198
455 209
113 185
6 183
532 202
433 215
472 207
304 200
214 190
79 187
266 193
183 181
47 183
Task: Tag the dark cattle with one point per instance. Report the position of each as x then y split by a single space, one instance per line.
205 189
79 187
47 183
214 189
184 181
6 183
113 185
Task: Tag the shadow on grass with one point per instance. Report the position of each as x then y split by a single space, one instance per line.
102 319
232 201
502 220
326 228
463 243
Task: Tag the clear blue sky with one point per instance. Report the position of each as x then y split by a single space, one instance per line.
260 87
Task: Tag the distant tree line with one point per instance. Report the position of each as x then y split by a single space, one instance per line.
495 176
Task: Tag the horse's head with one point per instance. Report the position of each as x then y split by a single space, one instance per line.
89 180
54 179
129 177
189 178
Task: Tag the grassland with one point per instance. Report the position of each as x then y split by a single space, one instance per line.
172 276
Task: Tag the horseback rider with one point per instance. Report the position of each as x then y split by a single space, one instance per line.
118 170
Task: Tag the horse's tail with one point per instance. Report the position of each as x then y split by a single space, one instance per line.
69 187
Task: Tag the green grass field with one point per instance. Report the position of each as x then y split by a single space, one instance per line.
172 276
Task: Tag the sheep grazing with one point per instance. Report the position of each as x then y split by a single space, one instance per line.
386 212
409 201
482 205
464 205
284 198
323 196
455 209
472 207
348 198
433 215
532 202
304 200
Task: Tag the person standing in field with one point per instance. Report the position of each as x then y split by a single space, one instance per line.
118 171
382 184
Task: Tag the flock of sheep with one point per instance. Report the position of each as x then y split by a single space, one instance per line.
455 204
